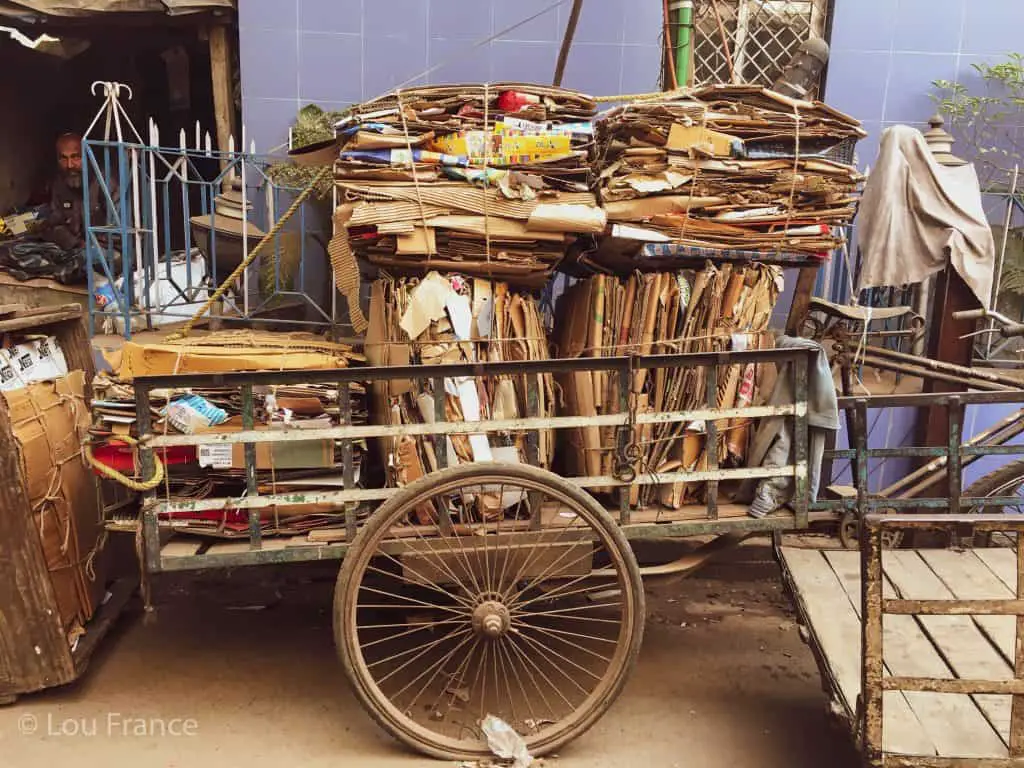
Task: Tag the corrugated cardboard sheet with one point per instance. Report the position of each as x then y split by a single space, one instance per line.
230 351
711 310
49 419
454 319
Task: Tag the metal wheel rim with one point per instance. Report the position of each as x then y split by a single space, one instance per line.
1010 487
549 736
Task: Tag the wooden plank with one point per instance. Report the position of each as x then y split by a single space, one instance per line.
970 579
1002 561
836 629
242 545
36 321
952 721
802 295
223 103
181 547
960 641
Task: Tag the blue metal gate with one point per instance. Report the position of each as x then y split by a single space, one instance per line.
166 225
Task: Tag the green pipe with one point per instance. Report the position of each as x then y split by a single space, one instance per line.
683 12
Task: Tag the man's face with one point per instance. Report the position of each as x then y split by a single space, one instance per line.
69 159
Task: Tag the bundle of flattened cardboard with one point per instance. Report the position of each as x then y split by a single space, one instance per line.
48 419
214 471
727 167
489 181
714 309
455 319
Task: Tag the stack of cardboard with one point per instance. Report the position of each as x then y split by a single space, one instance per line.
219 470
490 181
455 319
735 168
47 421
715 309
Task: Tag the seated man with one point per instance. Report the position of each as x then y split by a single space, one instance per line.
65 226
57 246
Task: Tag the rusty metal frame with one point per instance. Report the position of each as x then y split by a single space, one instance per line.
950 459
353 500
875 606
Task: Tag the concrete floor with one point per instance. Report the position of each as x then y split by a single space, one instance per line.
723 680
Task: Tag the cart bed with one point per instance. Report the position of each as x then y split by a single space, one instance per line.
189 552
826 586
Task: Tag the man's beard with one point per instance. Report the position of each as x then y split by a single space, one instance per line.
73 179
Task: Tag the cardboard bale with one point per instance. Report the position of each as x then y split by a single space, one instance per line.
49 420
711 310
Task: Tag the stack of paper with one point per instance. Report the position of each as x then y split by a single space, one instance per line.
715 309
456 319
489 181
728 167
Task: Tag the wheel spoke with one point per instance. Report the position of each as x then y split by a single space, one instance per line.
560 592
412 600
571 634
483 681
418 628
444 539
526 658
506 664
480 589
436 587
566 659
562 611
425 584
419 650
437 667
531 557
589 554
510 550
556 636
497 685
460 673
544 649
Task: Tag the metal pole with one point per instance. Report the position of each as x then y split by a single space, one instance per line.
570 33
939 365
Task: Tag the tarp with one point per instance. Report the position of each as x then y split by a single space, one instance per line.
917 215
27 9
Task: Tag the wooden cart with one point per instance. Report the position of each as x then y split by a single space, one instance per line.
918 638
485 588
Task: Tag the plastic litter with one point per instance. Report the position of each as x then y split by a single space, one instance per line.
505 742
194 412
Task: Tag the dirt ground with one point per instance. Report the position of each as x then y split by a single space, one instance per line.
240 670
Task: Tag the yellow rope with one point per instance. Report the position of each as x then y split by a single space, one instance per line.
127 482
652 96
253 254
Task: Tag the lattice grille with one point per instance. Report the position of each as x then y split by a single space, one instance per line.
763 36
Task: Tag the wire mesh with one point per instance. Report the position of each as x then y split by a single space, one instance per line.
762 37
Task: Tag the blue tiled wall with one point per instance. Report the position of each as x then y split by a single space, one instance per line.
887 53
336 52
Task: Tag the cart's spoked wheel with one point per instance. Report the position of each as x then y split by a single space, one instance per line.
499 616
849 533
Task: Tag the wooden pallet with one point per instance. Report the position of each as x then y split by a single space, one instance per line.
826 587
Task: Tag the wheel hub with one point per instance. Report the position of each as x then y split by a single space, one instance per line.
491 619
